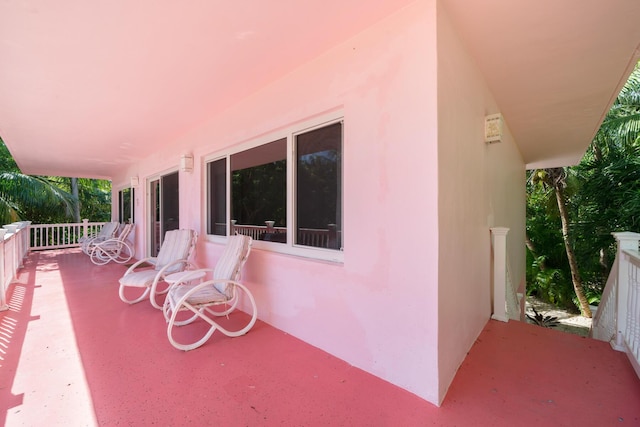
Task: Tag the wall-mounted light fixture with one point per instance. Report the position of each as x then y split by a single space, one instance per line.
135 181
493 127
186 163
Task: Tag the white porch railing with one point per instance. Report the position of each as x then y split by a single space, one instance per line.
316 237
18 238
14 245
257 232
506 304
617 318
57 236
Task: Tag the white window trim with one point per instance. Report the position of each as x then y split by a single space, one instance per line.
289 132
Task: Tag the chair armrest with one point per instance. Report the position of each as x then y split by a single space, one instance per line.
186 262
188 275
149 260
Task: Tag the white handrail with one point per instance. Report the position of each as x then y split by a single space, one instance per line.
13 249
617 319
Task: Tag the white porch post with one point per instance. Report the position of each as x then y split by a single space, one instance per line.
27 237
85 227
625 241
499 235
19 244
3 286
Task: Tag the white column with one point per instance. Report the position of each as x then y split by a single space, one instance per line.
499 237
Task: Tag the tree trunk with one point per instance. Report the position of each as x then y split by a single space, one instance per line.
573 263
74 192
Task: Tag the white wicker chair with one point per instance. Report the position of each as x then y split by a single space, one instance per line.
115 249
191 292
175 252
107 231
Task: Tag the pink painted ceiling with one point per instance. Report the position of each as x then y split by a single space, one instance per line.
88 87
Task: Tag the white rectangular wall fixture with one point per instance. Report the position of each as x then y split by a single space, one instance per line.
493 128
186 163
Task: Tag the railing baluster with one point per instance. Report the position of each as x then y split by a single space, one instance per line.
632 314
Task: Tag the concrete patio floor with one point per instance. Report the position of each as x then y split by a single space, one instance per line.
72 354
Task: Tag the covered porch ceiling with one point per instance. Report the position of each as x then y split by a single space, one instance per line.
554 67
87 88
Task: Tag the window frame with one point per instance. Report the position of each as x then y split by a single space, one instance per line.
121 207
289 133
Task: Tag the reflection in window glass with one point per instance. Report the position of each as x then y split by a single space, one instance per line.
259 191
287 191
217 177
319 187
125 211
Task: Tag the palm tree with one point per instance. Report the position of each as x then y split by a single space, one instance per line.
555 179
29 197
621 126
603 196
94 196
609 199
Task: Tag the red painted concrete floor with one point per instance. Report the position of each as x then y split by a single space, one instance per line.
72 354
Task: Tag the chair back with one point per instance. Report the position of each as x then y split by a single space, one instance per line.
233 257
115 243
108 230
124 233
177 244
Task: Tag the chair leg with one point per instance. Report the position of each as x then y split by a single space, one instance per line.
96 257
132 300
254 312
154 292
199 342
125 254
100 256
182 305
166 310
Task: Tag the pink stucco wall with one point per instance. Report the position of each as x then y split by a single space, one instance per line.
480 186
378 309
421 190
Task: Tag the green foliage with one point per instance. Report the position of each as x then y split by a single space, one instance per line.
548 273
47 200
94 196
603 196
7 163
259 194
551 284
543 320
317 185
33 198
